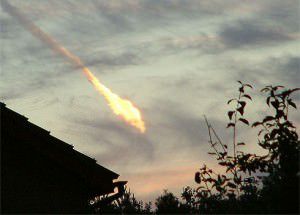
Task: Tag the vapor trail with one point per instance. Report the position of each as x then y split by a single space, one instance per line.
120 107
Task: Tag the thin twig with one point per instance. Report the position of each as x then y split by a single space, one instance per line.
216 135
234 128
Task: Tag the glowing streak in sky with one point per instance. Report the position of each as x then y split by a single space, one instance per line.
121 107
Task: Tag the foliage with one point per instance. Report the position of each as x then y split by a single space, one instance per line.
168 203
280 139
128 204
236 190
250 183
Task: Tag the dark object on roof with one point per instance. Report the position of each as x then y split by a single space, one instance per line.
40 173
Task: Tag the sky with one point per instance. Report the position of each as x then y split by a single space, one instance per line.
176 60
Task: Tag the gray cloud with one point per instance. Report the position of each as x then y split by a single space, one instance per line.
22 89
251 32
178 131
282 14
182 130
113 60
9 95
158 40
289 70
161 8
283 70
201 43
121 141
7 27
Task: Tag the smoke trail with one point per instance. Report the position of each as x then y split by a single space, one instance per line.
38 33
120 107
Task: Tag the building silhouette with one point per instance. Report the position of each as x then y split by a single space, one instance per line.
40 173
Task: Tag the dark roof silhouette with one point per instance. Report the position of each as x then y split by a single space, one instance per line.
35 164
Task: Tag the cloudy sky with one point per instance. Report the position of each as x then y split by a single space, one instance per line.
176 60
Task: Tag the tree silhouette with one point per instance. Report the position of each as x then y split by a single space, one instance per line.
237 189
250 183
168 203
128 204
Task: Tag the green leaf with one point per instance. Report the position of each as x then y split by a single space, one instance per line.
268 101
247 96
232 185
266 89
290 102
241 89
230 100
248 85
241 110
230 125
223 163
295 89
242 103
277 87
230 114
256 124
197 177
244 121
275 103
289 124
268 118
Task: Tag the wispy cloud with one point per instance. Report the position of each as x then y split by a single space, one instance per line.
177 60
251 32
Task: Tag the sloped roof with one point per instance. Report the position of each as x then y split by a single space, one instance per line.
56 150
